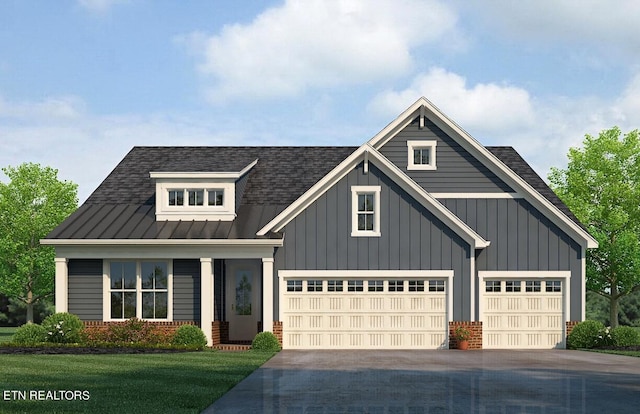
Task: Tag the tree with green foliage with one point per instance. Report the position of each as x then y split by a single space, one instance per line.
32 204
601 185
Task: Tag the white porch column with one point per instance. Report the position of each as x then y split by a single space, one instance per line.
267 294
62 284
206 297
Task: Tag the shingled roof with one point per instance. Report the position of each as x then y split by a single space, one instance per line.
123 206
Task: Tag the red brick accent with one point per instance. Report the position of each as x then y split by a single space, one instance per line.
224 332
475 342
569 327
215 333
277 330
166 327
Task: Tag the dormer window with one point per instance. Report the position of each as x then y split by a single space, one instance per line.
421 155
215 197
197 196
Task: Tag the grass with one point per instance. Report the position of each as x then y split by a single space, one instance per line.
6 333
611 351
158 383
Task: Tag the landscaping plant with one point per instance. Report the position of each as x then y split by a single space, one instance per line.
265 341
63 328
29 334
585 335
189 336
625 336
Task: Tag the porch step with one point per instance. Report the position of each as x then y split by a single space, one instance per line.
232 347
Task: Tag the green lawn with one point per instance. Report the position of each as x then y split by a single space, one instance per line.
155 383
6 334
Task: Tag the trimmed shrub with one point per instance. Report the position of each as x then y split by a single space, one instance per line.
29 334
265 341
189 335
63 328
136 331
625 336
585 335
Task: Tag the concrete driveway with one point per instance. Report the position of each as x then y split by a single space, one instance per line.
487 381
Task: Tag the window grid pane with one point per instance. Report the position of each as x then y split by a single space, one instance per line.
375 285
335 285
553 286
492 286
314 286
355 286
532 286
294 285
396 285
436 286
196 197
215 197
416 286
513 286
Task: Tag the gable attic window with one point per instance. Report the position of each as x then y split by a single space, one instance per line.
421 155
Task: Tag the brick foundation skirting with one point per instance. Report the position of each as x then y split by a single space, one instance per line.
569 327
475 342
277 330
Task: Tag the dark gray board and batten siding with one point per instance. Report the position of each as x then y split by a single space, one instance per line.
457 170
412 238
85 288
522 239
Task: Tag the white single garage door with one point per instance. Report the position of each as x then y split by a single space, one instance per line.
523 313
361 313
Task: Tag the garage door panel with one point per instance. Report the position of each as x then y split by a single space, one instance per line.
378 320
522 319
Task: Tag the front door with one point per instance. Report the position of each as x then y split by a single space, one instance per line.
243 300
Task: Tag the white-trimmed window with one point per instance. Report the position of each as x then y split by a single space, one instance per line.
416 286
396 285
436 286
553 286
196 197
492 286
294 285
314 285
513 286
355 286
365 203
421 155
335 285
138 289
533 286
215 197
375 285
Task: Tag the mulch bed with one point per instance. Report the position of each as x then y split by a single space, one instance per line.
50 350
622 348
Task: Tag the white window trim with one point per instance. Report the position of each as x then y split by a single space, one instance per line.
419 144
365 189
106 289
225 212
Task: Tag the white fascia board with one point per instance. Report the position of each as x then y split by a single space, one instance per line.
488 159
372 274
416 191
524 274
203 175
313 193
163 242
419 193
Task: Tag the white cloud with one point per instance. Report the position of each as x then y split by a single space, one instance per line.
610 26
307 44
489 108
60 107
99 6
542 129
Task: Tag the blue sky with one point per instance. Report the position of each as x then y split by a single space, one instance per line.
83 81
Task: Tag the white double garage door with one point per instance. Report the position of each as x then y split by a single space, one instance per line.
410 310
365 310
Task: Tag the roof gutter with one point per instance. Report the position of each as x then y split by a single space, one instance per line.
164 242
